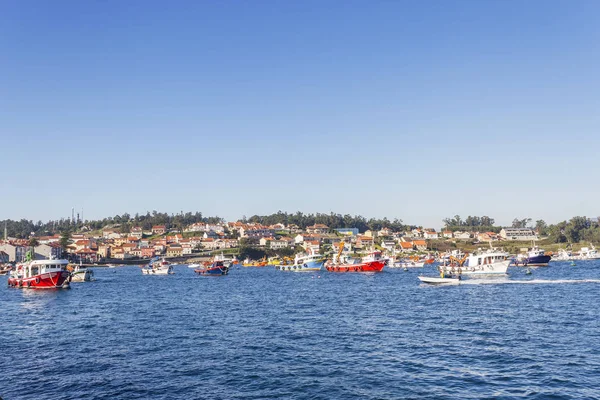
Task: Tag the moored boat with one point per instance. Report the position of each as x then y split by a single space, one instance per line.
5 269
80 274
587 253
342 263
40 274
304 263
156 267
216 268
536 257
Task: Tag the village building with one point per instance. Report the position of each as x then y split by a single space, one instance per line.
159 229
518 234
137 232
421 245
406 247
317 228
430 234
462 235
174 250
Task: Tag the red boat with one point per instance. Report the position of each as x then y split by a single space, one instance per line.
41 274
372 263
369 266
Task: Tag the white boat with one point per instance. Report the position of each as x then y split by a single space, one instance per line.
434 280
162 270
489 262
304 263
155 267
194 266
587 253
81 274
563 255
5 269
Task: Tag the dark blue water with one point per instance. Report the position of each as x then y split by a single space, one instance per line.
261 333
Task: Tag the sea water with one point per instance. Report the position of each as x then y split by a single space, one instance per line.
259 333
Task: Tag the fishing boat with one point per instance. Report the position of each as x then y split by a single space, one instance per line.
488 262
216 268
249 263
80 274
411 262
563 255
587 253
158 267
304 263
341 263
536 257
41 274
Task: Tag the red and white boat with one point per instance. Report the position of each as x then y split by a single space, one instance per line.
41 274
371 263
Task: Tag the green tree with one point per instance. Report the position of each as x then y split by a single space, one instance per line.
65 240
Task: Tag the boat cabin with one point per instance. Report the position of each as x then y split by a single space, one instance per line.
39 267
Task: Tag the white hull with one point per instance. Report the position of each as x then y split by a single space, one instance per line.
194 266
82 276
158 271
439 281
407 265
497 268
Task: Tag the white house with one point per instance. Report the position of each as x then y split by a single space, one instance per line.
447 234
430 235
462 235
280 243
389 245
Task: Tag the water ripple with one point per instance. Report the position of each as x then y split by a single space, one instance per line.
261 334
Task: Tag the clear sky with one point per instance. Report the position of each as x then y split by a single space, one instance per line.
416 110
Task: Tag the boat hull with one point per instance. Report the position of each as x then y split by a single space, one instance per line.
432 280
370 266
214 271
536 261
309 266
82 276
497 268
48 280
158 271
410 264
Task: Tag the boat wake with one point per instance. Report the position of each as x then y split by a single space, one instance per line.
525 282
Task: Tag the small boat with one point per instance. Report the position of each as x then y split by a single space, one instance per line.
80 274
5 269
193 266
216 268
40 274
155 267
434 280
304 263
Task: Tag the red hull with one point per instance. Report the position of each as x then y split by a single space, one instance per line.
371 266
50 280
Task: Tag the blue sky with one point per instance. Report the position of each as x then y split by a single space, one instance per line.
411 110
